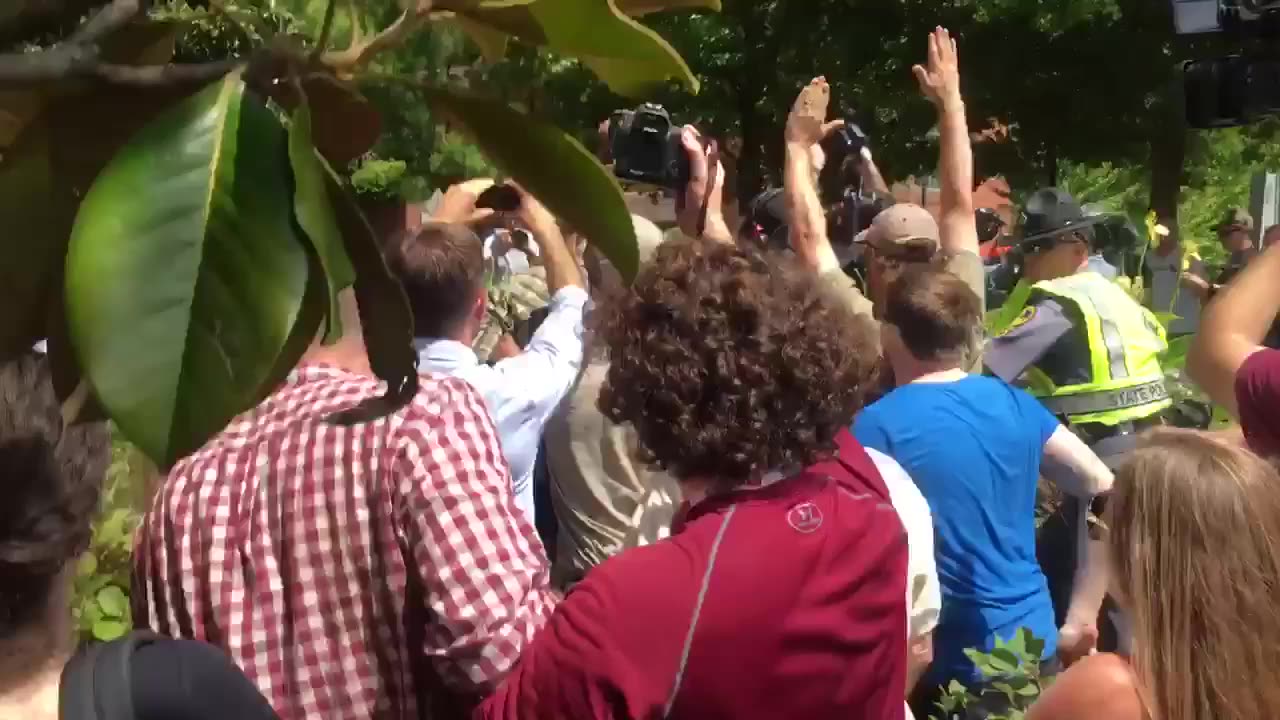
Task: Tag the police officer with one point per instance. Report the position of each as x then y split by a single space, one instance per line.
1082 345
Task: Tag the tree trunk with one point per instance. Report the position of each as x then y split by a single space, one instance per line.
1168 153
1051 166
749 88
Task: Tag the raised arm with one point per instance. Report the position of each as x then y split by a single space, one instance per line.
806 126
557 258
870 173
1233 326
702 206
940 83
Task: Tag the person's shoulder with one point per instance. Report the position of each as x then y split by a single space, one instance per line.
651 588
903 492
442 399
1100 687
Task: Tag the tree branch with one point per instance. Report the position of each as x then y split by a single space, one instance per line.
164 75
106 21
361 50
79 57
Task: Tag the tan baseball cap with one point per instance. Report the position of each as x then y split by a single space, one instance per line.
900 227
1236 219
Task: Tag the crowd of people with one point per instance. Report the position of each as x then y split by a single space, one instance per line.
745 484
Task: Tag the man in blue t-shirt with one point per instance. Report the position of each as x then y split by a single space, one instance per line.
973 445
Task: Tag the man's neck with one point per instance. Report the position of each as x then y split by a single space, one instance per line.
347 354
909 370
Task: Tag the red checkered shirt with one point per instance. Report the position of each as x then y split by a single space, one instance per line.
374 571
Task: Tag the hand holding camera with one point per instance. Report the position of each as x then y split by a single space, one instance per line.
699 207
646 148
461 203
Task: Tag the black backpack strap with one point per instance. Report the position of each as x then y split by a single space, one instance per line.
97 683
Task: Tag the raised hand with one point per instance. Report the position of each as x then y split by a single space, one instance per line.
700 212
807 124
940 80
459 203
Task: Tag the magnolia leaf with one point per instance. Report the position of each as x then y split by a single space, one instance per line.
491 43
385 319
344 124
630 58
556 168
315 215
637 8
185 247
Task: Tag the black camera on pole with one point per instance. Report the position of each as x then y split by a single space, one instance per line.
646 148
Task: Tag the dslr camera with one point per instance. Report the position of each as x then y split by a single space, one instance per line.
646 148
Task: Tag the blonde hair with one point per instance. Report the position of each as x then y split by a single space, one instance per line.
1195 546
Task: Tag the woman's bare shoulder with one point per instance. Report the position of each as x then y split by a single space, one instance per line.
1099 687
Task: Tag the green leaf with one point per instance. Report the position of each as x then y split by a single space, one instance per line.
88 565
491 43
385 318
108 630
1034 645
113 602
1004 660
1027 689
315 215
185 246
1000 319
564 175
1175 357
630 58
1018 644
636 8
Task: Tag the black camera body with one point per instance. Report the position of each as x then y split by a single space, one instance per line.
845 141
646 148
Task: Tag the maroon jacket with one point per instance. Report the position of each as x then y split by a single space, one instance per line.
781 602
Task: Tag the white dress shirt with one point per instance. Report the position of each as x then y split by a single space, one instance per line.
521 392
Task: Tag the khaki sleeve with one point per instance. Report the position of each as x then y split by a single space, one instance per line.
968 267
846 290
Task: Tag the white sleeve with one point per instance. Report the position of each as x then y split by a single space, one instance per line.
544 372
923 593
1089 475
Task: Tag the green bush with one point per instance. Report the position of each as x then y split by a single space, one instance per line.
1012 669
101 601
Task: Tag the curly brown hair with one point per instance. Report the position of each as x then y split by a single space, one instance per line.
731 362
52 476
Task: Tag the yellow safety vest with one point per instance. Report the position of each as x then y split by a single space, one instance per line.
1125 342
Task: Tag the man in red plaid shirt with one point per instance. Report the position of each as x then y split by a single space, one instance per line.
380 570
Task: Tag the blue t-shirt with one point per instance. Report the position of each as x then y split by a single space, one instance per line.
973 447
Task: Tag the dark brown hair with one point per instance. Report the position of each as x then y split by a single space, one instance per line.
937 315
442 270
52 477
731 362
